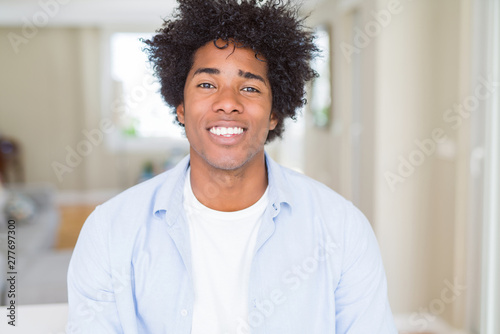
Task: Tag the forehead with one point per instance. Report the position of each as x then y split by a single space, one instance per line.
233 55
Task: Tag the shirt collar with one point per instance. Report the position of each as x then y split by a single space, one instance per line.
279 188
169 195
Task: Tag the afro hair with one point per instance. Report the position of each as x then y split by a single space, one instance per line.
271 28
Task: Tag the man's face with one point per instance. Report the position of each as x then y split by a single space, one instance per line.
227 106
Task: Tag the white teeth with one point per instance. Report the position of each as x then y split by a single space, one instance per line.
222 131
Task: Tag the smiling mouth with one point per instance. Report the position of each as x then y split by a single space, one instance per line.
225 131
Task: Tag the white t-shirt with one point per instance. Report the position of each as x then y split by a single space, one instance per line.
222 245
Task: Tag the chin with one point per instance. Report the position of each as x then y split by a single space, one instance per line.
229 162
226 163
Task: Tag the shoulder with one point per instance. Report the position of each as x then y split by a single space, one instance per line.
323 207
330 212
303 188
137 196
139 203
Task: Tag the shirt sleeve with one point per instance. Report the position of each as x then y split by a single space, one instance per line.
91 299
361 296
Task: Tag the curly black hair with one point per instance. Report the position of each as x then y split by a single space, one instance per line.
271 28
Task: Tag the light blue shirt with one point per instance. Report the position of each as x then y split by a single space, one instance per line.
316 264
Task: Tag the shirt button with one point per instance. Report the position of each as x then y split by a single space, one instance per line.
184 312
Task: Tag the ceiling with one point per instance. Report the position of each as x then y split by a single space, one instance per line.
91 12
83 12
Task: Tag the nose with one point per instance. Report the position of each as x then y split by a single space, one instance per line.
227 100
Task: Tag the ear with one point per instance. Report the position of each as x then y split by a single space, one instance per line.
273 121
180 113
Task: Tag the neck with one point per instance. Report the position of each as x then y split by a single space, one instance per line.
229 190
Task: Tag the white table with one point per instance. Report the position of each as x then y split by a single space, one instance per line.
36 319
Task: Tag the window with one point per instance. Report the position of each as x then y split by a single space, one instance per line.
143 119
486 182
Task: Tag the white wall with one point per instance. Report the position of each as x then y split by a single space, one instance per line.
408 75
405 108
411 72
50 91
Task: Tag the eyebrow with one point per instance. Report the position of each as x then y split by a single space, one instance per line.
246 75
207 70
249 75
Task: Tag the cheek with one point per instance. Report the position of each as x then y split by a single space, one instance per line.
193 117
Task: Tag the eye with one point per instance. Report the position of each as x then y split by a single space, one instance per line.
206 85
250 90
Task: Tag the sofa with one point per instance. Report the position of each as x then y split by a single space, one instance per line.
41 270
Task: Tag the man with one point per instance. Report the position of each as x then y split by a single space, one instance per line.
228 241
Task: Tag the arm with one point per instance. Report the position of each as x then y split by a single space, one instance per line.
361 296
91 298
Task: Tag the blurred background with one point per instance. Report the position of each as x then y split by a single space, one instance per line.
403 121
